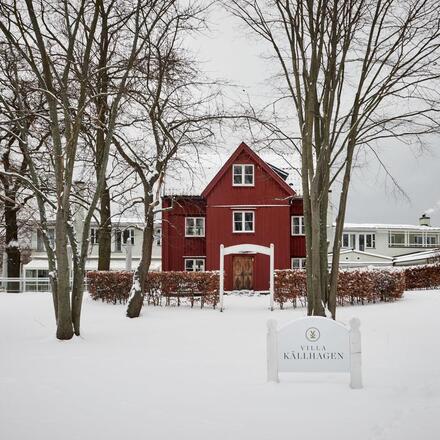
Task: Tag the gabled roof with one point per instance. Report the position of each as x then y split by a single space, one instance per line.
257 159
358 252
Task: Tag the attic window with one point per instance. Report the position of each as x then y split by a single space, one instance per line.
242 175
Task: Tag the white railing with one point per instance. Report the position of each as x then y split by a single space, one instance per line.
19 285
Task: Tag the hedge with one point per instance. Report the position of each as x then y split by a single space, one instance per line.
354 286
423 277
114 287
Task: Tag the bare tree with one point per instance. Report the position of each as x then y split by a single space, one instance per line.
355 72
58 42
171 112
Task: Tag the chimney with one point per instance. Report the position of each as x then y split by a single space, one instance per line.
424 220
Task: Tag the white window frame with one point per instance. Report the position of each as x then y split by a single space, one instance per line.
194 227
94 236
194 264
243 216
351 240
242 166
130 236
365 235
428 239
302 230
123 240
373 241
158 236
301 263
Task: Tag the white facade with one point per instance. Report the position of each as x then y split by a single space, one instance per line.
365 244
126 247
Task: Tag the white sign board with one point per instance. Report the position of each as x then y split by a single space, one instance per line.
314 344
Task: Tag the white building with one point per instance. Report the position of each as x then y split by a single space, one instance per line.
365 244
126 240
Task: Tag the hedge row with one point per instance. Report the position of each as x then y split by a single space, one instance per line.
423 277
114 287
354 286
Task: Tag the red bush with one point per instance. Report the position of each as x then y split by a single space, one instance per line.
114 287
353 286
423 277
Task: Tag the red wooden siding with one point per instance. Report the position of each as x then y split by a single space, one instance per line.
297 242
175 246
272 201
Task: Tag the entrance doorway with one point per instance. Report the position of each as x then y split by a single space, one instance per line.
243 272
245 268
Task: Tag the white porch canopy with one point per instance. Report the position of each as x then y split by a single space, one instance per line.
247 249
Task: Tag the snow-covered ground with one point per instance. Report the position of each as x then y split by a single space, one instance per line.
200 374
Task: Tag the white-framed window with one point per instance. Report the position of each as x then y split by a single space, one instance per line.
194 264
396 239
157 236
415 239
40 241
431 240
298 225
123 237
298 263
370 241
243 221
243 175
349 241
367 241
94 235
194 226
37 273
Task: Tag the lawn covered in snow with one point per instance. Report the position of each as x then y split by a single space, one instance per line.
181 373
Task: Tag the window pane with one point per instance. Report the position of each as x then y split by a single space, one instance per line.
200 265
345 241
199 226
369 241
249 175
238 177
238 226
189 226
189 265
361 242
295 263
431 239
249 226
415 239
118 240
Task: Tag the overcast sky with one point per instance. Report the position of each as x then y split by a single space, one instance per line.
232 54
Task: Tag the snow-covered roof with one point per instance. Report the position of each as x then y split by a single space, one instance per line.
357 251
92 263
417 256
388 226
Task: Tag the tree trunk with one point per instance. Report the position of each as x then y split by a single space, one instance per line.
139 278
105 231
12 248
64 319
77 296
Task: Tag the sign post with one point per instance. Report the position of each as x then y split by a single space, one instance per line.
314 344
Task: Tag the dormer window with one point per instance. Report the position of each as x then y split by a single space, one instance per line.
242 175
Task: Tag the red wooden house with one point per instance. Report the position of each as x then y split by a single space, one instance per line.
247 202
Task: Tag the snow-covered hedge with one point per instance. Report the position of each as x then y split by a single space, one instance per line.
114 287
354 286
423 277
